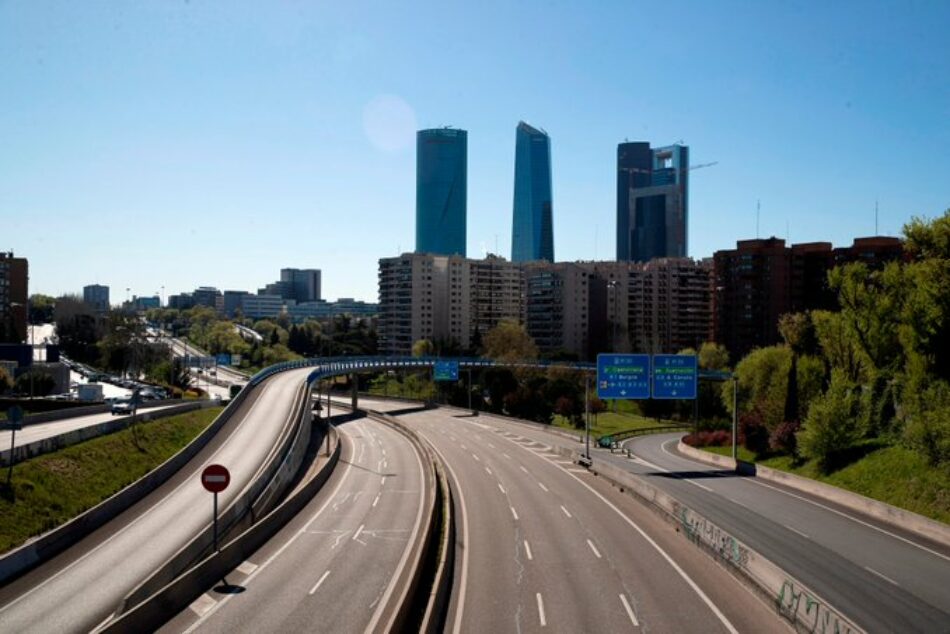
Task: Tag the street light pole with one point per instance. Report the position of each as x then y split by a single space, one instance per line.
735 417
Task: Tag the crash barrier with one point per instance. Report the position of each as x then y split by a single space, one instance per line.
87 410
241 513
898 517
801 607
46 546
424 598
60 441
184 589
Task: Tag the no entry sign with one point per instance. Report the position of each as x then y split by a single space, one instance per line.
215 478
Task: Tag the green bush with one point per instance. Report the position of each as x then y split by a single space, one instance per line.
810 374
763 384
43 382
927 429
833 424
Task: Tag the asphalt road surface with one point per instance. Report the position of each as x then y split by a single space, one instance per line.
542 545
334 567
39 431
81 588
881 577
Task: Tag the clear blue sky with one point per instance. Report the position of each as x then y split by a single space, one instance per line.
194 143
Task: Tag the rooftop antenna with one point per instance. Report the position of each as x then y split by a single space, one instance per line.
758 208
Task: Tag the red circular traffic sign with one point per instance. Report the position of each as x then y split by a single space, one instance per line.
215 478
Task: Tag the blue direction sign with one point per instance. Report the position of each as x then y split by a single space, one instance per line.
446 371
623 376
674 376
223 358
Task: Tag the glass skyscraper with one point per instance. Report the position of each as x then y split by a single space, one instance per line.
532 233
652 201
441 175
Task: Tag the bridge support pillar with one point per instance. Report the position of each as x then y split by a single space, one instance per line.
354 396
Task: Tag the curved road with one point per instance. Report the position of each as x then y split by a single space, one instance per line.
881 577
83 586
337 565
542 544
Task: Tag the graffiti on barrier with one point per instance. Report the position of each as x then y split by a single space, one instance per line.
796 603
699 530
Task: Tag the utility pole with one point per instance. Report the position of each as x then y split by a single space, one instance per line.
735 417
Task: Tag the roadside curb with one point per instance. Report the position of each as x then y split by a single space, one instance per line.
901 518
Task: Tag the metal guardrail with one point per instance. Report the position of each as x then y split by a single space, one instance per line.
610 441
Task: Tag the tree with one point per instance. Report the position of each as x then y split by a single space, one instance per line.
833 424
713 356
763 384
509 341
798 331
41 309
6 382
838 348
928 239
423 348
78 329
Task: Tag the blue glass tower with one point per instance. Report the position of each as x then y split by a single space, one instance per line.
532 233
652 201
441 174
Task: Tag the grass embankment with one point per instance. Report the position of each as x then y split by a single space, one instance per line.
894 475
53 488
609 423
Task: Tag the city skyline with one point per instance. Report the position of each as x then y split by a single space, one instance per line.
145 147
532 226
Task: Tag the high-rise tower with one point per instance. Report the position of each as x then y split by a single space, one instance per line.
532 233
441 175
652 201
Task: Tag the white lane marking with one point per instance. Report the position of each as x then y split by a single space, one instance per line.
523 469
823 506
682 573
476 457
541 610
491 446
626 606
379 465
735 501
487 470
376 501
527 550
464 448
202 604
852 518
566 512
501 488
397 574
514 513
701 486
593 548
544 488
246 567
506 455
280 551
319 581
884 577
577 470
358 531
795 530
382 481
463 586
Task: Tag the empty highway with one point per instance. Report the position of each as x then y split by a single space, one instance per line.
339 565
543 545
81 588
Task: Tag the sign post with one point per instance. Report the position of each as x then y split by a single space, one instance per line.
15 415
215 478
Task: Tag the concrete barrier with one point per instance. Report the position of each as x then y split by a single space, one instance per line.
180 592
236 517
46 546
426 591
901 518
75 412
60 441
802 608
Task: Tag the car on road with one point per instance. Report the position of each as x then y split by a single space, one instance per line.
123 406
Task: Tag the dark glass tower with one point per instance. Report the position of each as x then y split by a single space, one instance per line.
441 168
532 233
652 201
